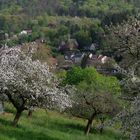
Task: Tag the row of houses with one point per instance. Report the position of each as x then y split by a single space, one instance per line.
103 64
74 56
4 35
72 45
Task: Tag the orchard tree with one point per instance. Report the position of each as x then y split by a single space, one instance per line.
130 119
124 46
27 83
96 95
123 43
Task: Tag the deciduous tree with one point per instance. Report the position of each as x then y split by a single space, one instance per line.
27 83
124 42
96 95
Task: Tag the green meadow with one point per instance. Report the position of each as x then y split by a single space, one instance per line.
49 126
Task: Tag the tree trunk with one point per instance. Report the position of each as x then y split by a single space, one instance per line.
88 127
89 124
30 113
102 125
17 116
85 61
101 130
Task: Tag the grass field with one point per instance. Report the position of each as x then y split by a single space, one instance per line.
49 126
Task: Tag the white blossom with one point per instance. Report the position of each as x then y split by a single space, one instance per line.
30 82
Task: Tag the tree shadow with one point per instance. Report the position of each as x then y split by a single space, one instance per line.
5 122
8 123
21 133
26 135
62 126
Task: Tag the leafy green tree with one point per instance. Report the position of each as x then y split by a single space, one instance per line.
96 95
83 38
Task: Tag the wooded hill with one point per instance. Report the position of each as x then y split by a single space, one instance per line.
57 20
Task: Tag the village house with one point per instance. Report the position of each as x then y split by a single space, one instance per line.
70 45
77 58
103 64
90 48
52 25
25 32
73 56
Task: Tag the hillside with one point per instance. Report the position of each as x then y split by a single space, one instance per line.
57 20
69 69
48 126
89 8
20 12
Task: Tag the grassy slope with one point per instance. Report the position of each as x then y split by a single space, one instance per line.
48 126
